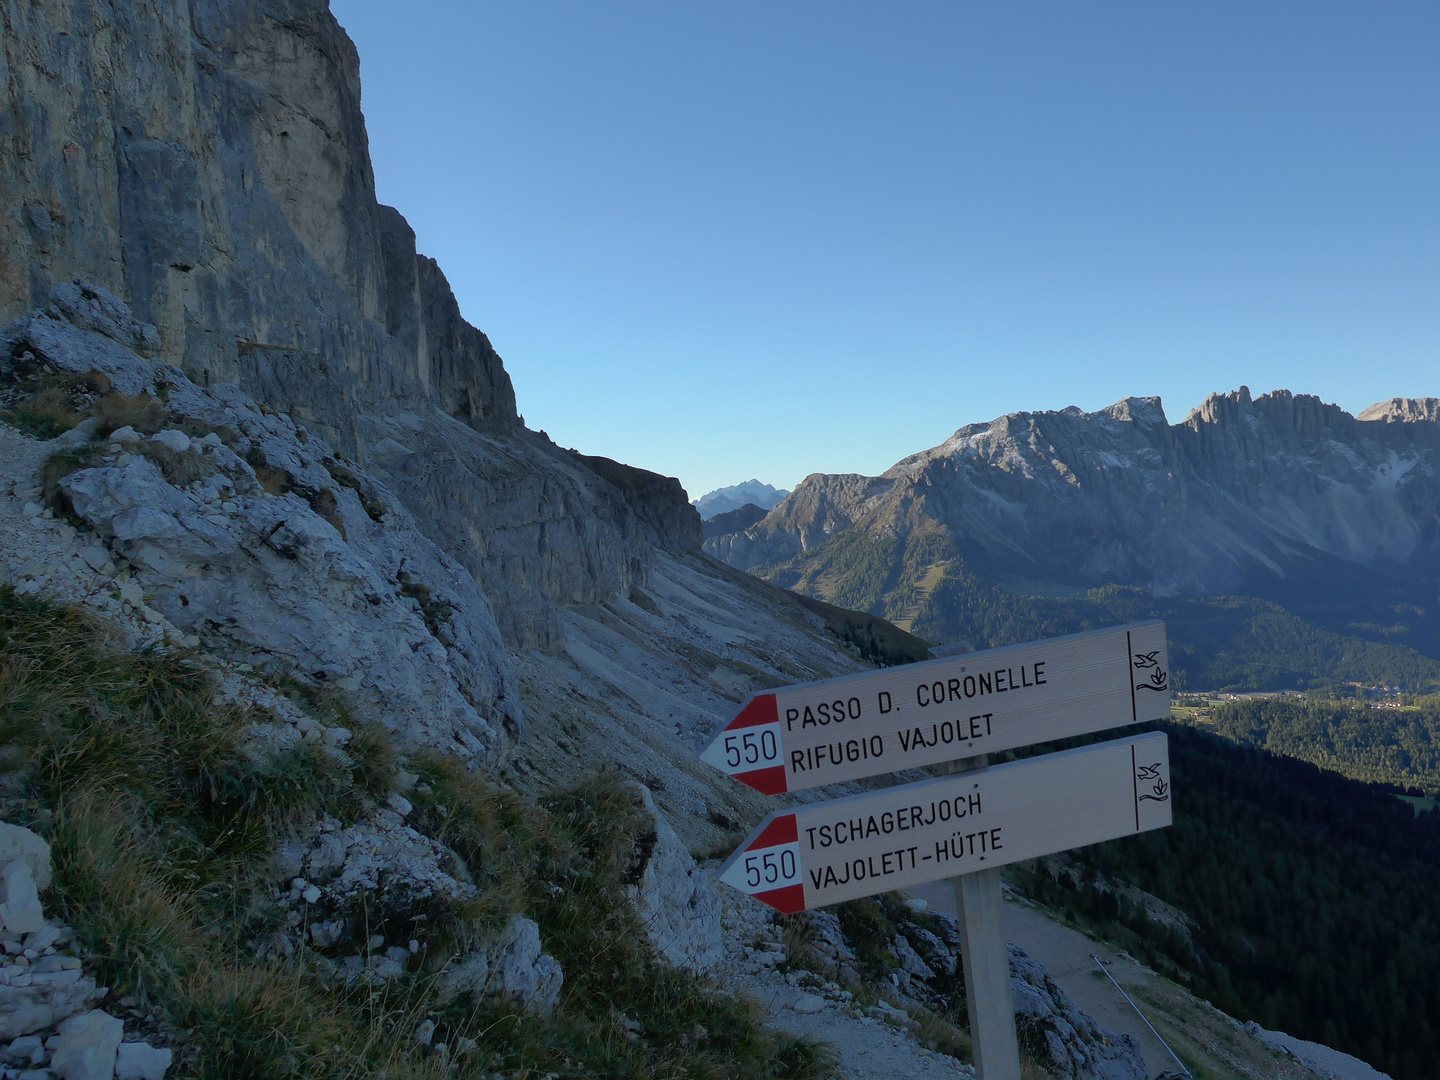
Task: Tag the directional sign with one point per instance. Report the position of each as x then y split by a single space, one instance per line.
914 833
940 710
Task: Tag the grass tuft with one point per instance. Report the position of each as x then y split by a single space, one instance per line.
162 828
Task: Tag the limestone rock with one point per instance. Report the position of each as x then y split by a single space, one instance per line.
514 968
808 1004
23 914
17 842
239 220
141 1061
910 961
676 900
1075 1046
50 990
387 858
87 1046
1241 487
1403 410
330 577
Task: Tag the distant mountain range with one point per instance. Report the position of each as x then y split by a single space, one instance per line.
1323 526
723 500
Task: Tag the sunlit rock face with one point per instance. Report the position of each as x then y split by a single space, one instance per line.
207 162
251 536
1241 486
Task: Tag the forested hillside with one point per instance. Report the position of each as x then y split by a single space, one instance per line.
1315 899
1396 746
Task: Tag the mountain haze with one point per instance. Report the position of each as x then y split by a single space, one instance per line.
726 499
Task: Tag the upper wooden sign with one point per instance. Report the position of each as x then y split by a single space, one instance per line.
940 710
897 837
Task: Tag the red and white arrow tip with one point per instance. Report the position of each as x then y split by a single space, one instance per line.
767 865
749 747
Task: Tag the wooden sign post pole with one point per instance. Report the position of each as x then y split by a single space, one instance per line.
965 705
978 904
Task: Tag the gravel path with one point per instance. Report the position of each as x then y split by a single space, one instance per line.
865 1047
1066 955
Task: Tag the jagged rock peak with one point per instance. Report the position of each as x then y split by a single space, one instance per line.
1404 410
1242 486
1140 410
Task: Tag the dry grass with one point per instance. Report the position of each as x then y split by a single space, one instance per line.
162 829
141 412
944 1035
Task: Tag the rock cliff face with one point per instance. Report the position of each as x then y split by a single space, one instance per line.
206 160
250 535
1241 487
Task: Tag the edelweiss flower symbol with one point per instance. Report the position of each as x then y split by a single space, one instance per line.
1159 789
1159 677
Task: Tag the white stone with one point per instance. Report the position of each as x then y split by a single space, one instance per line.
514 969
141 1061
26 1045
87 1047
311 895
177 441
806 1004
18 842
95 556
399 804
124 434
23 913
425 1033
677 900
31 510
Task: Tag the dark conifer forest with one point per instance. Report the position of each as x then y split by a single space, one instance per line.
1315 900
1395 746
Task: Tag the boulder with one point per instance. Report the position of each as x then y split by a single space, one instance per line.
676 900
514 969
1071 1043
308 565
141 1061
17 842
40 999
87 1046
23 914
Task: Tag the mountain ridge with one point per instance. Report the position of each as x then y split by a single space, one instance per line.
1279 511
727 499
1121 496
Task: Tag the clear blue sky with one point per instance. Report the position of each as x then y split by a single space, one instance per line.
724 240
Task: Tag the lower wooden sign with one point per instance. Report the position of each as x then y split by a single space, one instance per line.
934 829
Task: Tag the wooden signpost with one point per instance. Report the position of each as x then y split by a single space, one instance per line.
898 837
940 710
965 825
